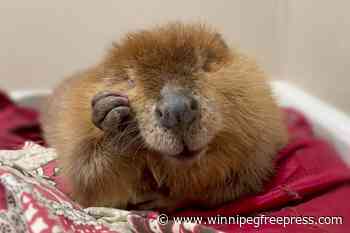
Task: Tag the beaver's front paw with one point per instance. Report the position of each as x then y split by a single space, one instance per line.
109 110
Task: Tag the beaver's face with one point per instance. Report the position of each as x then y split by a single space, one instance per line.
177 117
173 96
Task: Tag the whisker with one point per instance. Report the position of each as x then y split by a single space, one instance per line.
142 145
127 131
131 142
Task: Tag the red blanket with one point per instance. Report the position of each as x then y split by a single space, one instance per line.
308 194
17 124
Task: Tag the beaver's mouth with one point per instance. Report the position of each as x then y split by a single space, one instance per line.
187 154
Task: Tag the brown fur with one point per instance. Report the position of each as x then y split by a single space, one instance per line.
240 130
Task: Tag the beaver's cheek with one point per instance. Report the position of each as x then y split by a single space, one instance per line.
160 140
204 130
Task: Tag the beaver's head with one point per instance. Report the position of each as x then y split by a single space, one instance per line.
169 74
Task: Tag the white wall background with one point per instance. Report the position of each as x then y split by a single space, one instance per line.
304 41
318 49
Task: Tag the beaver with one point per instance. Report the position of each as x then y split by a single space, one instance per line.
171 117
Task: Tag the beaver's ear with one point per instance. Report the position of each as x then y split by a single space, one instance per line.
215 54
220 41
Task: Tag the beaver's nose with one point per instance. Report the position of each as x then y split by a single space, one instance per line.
176 110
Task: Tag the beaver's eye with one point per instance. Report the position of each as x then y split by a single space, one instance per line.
131 83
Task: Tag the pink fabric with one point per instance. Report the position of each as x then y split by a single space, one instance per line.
311 180
17 124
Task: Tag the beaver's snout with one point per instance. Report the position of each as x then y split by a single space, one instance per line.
176 109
